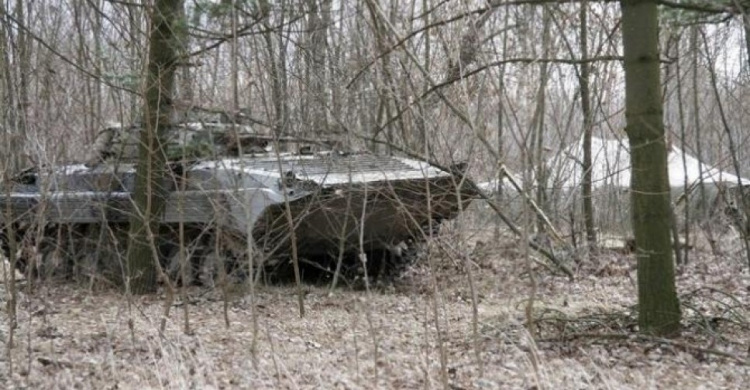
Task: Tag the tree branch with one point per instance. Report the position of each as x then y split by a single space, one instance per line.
699 7
519 61
65 59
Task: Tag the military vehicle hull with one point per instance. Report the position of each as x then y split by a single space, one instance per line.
74 218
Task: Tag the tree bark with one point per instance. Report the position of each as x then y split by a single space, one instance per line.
276 66
13 136
658 307
24 56
744 7
537 145
185 84
150 190
586 188
319 20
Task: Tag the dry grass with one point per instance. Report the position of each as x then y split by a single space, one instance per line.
69 337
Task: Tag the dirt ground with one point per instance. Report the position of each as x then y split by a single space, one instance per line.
419 331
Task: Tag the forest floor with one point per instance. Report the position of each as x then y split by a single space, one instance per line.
419 331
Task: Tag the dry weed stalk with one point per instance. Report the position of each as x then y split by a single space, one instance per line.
472 288
368 310
274 357
183 263
292 234
436 295
342 240
9 278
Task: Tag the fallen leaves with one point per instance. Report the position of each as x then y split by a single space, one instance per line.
71 337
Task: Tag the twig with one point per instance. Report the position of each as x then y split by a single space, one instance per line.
55 363
546 252
507 174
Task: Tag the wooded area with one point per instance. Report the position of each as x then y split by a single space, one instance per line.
604 143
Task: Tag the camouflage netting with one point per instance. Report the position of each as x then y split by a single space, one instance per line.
184 141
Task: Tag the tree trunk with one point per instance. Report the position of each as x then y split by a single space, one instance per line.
135 45
275 67
185 85
658 307
24 56
150 190
536 145
319 20
745 10
15 68
12 134
588 204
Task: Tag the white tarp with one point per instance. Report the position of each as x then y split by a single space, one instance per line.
490 187
611 167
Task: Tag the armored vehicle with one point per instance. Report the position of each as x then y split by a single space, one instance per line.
231 192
